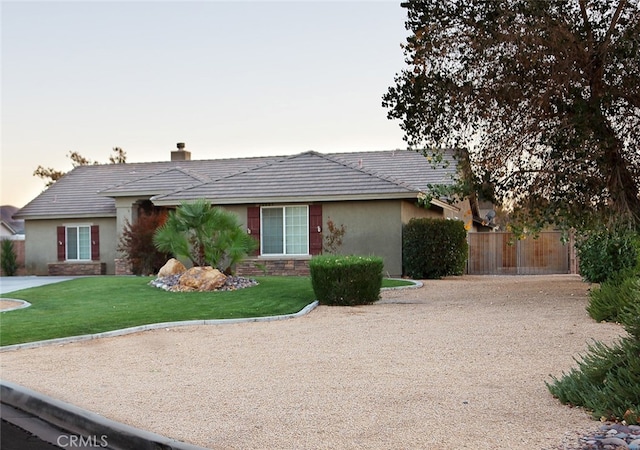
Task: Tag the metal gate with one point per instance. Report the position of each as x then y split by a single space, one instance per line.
501 253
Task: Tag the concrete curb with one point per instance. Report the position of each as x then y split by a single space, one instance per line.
80 422
86 337
416 284
23 304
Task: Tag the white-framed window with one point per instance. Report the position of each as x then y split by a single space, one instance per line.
78 242
284 230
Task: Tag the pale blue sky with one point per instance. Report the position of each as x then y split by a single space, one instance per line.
231 79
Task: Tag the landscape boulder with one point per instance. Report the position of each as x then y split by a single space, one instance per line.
172 267
201 279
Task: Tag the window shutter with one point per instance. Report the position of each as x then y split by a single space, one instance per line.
95 243
61 243
253 225
315 229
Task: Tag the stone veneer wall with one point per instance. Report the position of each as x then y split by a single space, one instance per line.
123 267
252 267
83 268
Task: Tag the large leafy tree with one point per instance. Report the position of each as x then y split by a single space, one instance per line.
205 235
545 95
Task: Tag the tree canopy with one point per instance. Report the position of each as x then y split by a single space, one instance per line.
545 95
51 175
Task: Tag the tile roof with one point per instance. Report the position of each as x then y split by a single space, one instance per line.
16 226
89 191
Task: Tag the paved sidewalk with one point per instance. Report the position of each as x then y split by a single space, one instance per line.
11 284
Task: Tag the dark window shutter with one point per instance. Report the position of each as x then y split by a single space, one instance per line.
95 243
315 229
253 225
61 243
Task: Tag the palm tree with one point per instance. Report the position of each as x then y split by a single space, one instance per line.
205 235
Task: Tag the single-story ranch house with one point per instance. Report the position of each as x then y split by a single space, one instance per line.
284 202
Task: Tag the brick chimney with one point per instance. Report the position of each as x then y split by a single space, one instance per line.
181 154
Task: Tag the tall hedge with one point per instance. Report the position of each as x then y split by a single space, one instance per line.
434 248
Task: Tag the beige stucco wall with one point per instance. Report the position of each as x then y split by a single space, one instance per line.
41 242
380 236
461 211
124 212
411 210
463 214
240 211
372 228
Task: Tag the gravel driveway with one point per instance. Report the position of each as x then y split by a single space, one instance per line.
459 363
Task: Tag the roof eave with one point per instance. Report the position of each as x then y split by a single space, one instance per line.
444 205
8 227
67 216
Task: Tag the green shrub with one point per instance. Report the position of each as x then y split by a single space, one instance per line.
613 296
204 234
346 280
434 248
607 380
9 260
607 252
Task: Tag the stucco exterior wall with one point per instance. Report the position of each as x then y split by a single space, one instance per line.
372 228
463 212
412 211
41 242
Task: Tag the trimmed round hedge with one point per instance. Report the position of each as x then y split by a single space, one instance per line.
346 280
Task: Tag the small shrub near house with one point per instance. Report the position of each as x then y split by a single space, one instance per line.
9 259
434 248
346 280
136 243
334 235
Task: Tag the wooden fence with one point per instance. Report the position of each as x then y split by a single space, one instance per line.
502 254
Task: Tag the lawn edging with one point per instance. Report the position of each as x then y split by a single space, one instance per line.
416 284
21 304
153 326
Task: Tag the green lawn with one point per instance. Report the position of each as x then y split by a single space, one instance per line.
98 304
